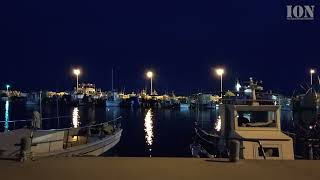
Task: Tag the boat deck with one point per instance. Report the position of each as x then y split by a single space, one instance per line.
157 168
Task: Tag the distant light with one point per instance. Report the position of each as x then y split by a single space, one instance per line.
238 86
312 71
220 71
76 72
7 86
149 74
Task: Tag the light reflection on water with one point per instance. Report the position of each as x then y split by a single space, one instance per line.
148 128
6 124
75 117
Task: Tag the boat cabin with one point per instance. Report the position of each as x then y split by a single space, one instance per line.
257 126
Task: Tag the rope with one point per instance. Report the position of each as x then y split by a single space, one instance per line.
210 142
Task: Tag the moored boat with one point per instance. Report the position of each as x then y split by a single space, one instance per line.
92 140
250 127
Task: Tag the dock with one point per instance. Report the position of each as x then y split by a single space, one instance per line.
118 168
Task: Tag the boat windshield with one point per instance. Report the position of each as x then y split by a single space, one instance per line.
256 118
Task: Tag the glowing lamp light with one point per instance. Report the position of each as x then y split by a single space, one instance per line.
76 72
7 86
312 71
149 74
220 71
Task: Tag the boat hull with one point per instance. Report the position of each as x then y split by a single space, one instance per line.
50 144
95 148
112 103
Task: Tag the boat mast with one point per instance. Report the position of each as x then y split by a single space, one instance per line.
40 104
112 80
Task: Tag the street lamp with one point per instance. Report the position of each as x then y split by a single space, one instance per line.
220 73
312 71
7 86
77 73
150 75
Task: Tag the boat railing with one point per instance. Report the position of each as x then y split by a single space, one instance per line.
237 101
82 127
27 121
75 136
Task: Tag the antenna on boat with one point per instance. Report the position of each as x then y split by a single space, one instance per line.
253 85
40 104
294 92
112 80
303 87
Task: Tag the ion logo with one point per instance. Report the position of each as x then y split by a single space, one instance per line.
298 12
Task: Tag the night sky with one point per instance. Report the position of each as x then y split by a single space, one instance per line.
41 41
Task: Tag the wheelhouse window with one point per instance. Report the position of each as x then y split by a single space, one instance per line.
256 118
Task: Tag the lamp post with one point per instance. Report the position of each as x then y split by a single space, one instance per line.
77 73
220 73
150 75
312 71
7 86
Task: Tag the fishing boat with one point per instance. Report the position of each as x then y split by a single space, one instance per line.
113 100
252 123
305 124
92 140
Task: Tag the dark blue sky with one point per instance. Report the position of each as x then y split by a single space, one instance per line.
41 41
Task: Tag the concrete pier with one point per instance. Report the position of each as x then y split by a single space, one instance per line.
118 168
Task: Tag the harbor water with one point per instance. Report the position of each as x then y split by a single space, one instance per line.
146 132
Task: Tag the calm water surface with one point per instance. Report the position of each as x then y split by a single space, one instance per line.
146 132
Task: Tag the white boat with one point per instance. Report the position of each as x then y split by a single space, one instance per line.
91 140
184 105
113 100
184 102
112 103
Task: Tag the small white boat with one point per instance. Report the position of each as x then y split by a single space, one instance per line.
184 105
113 100
112 103
91 140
